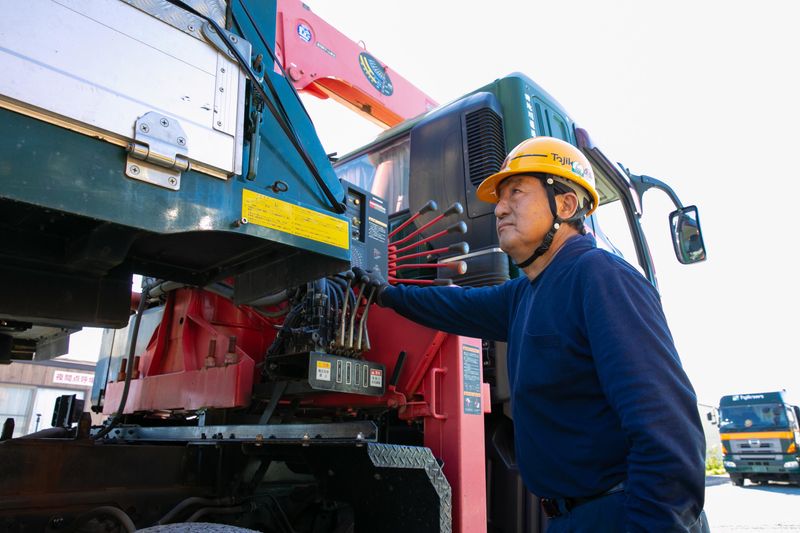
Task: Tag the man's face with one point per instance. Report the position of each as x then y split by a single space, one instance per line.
523 215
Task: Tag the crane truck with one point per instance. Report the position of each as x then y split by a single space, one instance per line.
255 384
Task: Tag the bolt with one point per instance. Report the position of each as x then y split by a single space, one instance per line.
222 89
191 27
234 39
172 180
134 170
181 141
222 70
241 222
164 122
219 123
145 128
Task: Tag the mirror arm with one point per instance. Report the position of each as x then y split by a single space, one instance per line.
643 183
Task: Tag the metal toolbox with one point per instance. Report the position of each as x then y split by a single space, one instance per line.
141 74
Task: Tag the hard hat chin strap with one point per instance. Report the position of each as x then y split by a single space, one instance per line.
546 242
548 183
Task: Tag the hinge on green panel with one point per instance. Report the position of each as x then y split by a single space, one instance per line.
158 153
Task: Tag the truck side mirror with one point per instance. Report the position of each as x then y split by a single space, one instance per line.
710 416
687 238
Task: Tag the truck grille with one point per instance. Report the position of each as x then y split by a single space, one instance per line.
756 445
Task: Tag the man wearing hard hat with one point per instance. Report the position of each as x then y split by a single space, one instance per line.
607 429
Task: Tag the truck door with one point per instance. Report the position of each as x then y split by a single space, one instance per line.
615 223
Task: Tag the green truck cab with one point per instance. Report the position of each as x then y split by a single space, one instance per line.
760 437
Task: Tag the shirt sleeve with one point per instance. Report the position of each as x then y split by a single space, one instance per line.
469 311
642 378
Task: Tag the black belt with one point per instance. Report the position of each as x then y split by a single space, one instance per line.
555 507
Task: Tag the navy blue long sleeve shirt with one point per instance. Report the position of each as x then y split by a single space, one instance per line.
598 392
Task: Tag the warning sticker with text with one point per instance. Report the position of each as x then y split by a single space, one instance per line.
375 377
471 361
293 219
323 370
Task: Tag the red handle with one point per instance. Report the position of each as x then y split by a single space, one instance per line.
433 402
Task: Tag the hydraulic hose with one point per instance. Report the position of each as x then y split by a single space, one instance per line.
189 502
271 314
335 294
122 518
129 367
361 287
362 325
271 299
281 118
215 510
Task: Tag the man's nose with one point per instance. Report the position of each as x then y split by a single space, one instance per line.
501 208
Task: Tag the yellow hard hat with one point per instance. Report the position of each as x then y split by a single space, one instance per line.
550 156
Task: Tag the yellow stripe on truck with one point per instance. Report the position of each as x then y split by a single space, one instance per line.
758 435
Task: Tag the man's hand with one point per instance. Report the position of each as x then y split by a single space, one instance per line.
374 280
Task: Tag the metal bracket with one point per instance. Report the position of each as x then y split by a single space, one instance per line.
244 47
158 153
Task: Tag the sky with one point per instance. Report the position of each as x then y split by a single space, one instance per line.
700 94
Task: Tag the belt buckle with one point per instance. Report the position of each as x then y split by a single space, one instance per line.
550 507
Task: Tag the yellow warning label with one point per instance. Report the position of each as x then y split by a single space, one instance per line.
323 370
294 219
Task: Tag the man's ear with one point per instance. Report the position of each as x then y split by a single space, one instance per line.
567 204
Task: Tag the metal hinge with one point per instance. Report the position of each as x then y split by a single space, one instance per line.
158 153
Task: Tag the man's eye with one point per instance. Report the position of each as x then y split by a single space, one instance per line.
515 191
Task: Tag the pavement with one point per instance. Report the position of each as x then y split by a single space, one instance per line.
713 481
773 508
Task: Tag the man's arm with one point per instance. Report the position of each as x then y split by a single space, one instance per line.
473 312
643 380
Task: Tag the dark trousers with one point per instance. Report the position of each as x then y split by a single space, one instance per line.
604 515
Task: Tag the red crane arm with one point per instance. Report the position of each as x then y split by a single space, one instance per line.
322 61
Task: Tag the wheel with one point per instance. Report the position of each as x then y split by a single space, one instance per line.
195 527
737 480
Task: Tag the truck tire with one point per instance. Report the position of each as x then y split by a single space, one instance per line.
195 527
737 480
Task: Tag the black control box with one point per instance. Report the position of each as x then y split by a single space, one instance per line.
321 371
369 227
343 374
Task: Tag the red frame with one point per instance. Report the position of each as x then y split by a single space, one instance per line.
174 373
